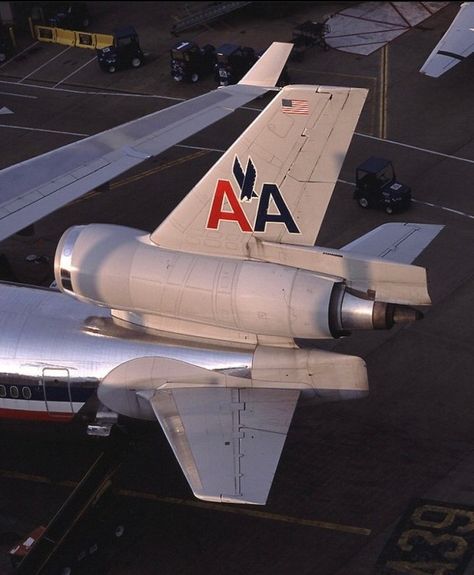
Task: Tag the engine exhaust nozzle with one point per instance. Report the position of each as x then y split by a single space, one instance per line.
357 313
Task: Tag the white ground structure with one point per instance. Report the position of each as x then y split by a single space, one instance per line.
366 27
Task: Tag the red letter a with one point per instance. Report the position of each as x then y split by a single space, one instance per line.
216 214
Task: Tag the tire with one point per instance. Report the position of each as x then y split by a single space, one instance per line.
389 210
178 78
111 69
363 203
3 57
194 77
136 62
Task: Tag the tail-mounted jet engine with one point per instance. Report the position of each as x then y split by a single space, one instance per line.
122 269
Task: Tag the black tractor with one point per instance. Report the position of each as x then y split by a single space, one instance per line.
306 36
124 53
377 186
189 62
233 62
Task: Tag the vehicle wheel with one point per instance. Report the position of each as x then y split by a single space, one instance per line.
363 202
178 78
389 210
112 69
3 57
136 62
194 77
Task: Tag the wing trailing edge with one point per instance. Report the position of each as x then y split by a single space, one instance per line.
456 44
36 187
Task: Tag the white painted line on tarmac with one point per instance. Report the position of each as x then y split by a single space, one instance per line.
457 212
45 64
97 93
128 94
19 95
17 55
43 130
75 72
415 148
200 148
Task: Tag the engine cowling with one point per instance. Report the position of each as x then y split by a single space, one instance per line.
122 269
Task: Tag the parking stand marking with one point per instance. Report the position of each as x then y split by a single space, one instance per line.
433 537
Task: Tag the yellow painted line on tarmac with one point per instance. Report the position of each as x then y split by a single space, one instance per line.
144 174
222 507
157 169
226 508
383 92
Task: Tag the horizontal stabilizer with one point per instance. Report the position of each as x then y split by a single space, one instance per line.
227 441
397 242
228 431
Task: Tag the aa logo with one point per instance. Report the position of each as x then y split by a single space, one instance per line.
271 207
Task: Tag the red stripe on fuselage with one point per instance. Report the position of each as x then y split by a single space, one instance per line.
34 415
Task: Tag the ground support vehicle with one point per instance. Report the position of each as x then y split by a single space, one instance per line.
306 36
124 53
377 186
233 62
74 16
189 62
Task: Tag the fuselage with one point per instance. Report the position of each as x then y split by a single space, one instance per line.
54 352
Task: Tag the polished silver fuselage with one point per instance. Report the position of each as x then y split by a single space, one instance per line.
55 350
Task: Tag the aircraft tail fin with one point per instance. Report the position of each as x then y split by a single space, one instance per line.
275 182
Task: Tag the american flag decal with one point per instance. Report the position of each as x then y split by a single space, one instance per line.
295 107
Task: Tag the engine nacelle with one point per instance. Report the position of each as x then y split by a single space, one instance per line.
122 269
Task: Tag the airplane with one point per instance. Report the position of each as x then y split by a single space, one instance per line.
456 44
207 324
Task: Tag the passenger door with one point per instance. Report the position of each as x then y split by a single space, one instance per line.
57 393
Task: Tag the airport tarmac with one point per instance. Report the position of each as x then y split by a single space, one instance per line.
382 485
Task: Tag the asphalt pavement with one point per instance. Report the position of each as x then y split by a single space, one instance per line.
382 485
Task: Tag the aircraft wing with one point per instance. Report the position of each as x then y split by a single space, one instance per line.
456 45
34 188
397 242
227 440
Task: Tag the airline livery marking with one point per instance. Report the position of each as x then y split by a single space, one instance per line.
226 205
295 107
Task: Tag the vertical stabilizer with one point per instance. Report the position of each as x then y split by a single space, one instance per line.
275 181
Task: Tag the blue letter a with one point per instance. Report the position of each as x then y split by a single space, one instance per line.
285 217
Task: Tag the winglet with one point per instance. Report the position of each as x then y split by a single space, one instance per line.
266 71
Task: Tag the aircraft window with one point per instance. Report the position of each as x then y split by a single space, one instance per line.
3 391
14 393
26 392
